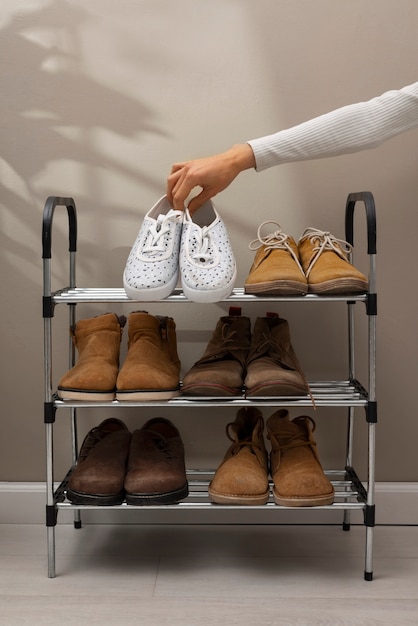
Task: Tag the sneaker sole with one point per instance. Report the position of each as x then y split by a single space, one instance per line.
150 294
169 497
277 288
212 295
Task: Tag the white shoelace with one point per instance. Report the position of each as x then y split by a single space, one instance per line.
202 252
324 240
276 240
157 232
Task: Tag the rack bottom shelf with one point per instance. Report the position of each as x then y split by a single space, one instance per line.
349 494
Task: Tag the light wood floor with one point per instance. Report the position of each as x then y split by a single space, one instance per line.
208 575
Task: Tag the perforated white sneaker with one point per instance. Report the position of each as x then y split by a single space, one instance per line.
207 264
152 268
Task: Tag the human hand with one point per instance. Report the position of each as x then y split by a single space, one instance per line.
212 174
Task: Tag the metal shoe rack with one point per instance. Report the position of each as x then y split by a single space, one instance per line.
350 492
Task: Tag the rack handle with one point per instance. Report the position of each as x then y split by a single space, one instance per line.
367 198
48 214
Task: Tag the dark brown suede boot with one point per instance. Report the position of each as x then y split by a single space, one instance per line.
93 377
242 477
151 370
156 467
219 372
99 474
272 366
299 479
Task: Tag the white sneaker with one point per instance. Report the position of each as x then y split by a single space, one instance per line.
152 268
207 264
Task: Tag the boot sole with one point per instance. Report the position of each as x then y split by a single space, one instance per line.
276 388
277 288
220 498
207 389
147 395
340 286
90 396
77 497
169 497
320 500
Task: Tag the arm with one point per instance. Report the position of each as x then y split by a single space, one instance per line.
348 129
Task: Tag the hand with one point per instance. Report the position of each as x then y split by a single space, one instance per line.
212 174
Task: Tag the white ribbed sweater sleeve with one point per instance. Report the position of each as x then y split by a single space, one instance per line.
349 129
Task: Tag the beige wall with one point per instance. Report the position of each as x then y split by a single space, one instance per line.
99 98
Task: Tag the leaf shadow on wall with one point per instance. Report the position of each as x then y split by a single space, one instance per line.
51 109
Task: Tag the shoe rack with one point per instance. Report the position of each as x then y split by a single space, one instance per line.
351 493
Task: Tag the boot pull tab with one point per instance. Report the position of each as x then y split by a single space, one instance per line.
234 311
163 327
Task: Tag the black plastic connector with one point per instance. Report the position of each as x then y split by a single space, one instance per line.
371 412
51 515
371 304
49 412
48 307
370 515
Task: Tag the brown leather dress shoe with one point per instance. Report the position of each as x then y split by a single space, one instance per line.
156 467
100 471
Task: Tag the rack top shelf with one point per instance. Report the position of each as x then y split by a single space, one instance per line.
96 294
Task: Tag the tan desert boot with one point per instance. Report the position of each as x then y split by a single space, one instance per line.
276 269
152 367
242 477
93 377
298 477
272 366
325 262
219 372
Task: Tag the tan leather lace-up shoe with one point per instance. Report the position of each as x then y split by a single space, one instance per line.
299 479
276 269
93 377
219 372
156 467
151 369
99 474
325 262
242 477
272 366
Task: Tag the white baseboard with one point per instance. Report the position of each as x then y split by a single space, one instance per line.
24 503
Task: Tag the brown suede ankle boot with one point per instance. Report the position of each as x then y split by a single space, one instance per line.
151 369
298 477
100 471
156 466
242 477
93 377
272 366
219 372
